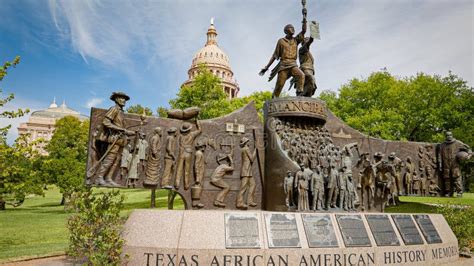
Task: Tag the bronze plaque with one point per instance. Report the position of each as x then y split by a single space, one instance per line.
282 231
407 229
319 231
241 231
353 231
382 230
427 229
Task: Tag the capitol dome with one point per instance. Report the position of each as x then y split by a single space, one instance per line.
217 61
56 112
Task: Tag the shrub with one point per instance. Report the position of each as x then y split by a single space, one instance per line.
461 221
95 228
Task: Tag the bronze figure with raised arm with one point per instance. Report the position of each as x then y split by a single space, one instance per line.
286 52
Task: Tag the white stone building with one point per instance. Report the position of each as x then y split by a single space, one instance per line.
41 123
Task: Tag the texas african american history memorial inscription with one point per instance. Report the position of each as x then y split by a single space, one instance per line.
303 188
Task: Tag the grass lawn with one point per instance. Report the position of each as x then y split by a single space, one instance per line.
420 204
38 227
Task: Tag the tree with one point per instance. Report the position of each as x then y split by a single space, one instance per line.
206 92
10 97
65 164
138 109
416 108
259 98
162 112
18 163
19 172
95 228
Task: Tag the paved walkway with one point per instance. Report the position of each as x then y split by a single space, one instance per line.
48 261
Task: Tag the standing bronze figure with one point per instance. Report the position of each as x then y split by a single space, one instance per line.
303 200
247 182
185 157
288 188
307 66
170 158
410 173
154 159
199 167
317 189
398 164
451 152
114 135
286 52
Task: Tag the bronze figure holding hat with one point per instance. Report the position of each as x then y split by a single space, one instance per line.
185 157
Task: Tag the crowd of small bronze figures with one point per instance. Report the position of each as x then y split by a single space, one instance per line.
326 176
140 158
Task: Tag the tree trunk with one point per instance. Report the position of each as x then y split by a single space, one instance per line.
63 201
2 205
153 198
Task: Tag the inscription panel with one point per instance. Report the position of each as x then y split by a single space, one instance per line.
382 230
319 231
427 229
301 106
241 231
407 229
282 230
353 231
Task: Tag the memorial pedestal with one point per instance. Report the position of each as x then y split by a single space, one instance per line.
167 237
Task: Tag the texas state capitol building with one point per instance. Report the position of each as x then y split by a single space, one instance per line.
216 60
41 123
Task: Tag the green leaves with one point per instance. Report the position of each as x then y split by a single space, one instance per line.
95 228
18 163
65 164
416 108
19 172
8 98
207 93
138 109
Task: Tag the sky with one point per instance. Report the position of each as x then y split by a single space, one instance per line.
82 51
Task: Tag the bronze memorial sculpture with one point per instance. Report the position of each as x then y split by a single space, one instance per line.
254 182
168 152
